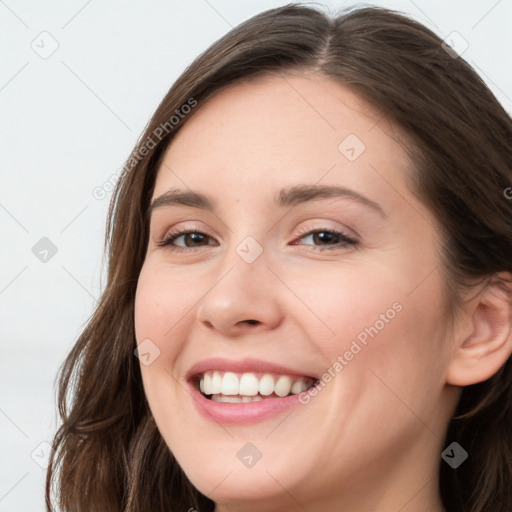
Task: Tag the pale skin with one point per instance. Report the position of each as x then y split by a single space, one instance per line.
372 439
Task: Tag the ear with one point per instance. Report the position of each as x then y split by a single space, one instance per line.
481 353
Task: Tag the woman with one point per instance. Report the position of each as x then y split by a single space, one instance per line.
308 303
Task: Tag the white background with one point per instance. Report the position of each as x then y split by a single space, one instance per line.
68 122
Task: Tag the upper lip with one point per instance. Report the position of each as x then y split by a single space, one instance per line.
243 366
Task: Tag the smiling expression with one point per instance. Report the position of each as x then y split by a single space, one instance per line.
302 236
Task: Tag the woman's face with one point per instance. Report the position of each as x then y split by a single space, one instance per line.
309 259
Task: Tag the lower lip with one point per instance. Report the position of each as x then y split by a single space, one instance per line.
243 412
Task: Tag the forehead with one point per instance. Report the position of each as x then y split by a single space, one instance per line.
280 129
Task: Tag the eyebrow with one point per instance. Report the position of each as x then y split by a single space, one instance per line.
291 196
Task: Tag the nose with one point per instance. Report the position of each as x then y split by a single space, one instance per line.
242 297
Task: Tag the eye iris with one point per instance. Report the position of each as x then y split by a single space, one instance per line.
324 236
196 238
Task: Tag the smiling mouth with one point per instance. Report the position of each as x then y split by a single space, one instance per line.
221 386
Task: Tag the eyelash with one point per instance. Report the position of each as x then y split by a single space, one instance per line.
171 236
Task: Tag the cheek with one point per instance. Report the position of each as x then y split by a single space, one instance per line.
385 356
379 321
162 302
341 303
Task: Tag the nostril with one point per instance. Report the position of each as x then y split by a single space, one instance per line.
252 322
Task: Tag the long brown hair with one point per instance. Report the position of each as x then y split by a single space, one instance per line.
109 455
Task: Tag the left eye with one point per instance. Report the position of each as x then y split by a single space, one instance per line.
334 239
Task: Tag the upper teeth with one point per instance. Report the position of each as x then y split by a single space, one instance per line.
250 384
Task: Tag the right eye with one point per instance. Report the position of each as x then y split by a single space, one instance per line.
190 238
